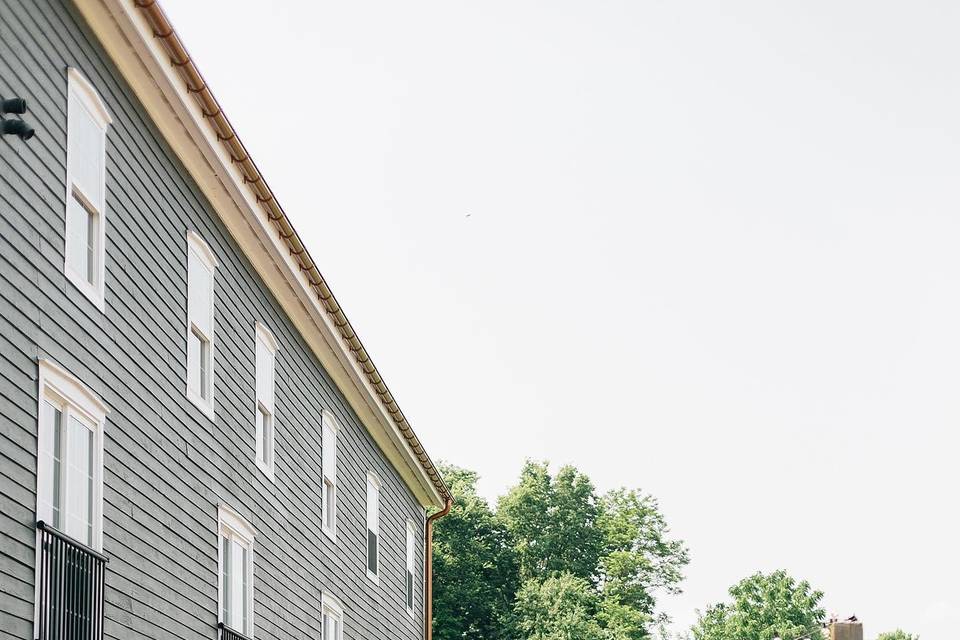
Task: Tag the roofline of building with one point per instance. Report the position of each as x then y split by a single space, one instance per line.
194 87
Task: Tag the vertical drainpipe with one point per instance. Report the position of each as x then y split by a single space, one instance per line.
428 571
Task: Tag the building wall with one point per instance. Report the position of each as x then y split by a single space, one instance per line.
167 466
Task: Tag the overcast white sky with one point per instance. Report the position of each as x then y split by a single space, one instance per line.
711 251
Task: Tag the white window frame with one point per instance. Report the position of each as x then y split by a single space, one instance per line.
81 94
373 524
265 402
409 599
232 524
330 431
57 386
330 607
205 257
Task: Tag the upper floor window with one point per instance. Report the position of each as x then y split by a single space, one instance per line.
332 619
85 224
201 268
329 496
70 456
373 527
236 572
266 356
411 555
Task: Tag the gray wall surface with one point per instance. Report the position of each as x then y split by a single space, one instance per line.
166 465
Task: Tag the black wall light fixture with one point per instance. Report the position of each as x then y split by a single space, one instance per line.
15 127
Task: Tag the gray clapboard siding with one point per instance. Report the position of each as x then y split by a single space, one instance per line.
166 465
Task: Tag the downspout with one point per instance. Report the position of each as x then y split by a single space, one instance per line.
428 571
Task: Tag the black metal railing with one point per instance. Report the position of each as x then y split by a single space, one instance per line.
226 633
70 588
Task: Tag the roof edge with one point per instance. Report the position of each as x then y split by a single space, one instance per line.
255 182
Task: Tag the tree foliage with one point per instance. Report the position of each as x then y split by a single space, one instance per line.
553 522
899 634
555 562
763 607
639 559
561 607
475 569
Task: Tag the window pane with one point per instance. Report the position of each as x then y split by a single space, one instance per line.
204 369
198 363
409 590
329 505
85 144
79 481
225 593
78 226
261 416
264 435
245 591
91 248
49 464
238 599
371 552
199 293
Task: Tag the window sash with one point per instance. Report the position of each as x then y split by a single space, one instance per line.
264 435
373 526
235 582
329 506
201 287
67 473
411 542
82 245
332 626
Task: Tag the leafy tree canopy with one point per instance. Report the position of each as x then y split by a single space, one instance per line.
763 607
553 522
475 569
561 607
899 634
555 562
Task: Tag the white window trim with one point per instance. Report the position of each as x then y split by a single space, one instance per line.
264 334
375 577
410 564
88 96
331 606
327 420
231 522
58 384
200 248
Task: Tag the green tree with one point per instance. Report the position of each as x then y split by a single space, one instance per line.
639 557
764 607
553 522
899 634
618 544
475 569
561 607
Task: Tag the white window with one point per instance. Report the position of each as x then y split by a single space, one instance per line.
85 220
201 268
266 357
236 572
70 456
329 497
332 619
410 573
373 527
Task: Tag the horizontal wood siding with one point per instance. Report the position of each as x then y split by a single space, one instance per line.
167 466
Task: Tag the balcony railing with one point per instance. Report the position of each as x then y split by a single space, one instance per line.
226 633
70 588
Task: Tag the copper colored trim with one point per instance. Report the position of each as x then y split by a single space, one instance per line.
195 84
428 571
